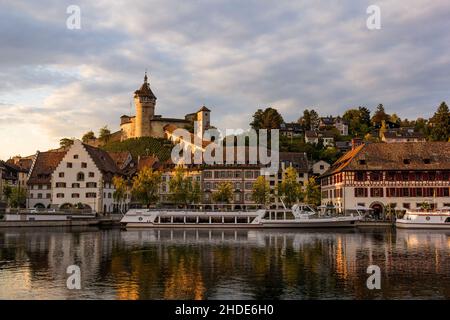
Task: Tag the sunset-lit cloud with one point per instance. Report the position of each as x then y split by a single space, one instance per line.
234 56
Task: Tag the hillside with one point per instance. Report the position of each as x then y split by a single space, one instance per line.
142 146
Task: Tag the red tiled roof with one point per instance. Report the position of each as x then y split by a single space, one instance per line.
395 156
44 165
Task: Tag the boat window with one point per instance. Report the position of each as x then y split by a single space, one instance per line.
203 219
191 219
164 219
242 220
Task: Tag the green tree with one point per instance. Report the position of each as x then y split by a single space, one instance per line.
18 197
224 193
146 186
311 194
310 120
88 136
195 194
180 186
261 191
269 118
120 192
66 142
290 189
7 191
104 134
380 115
358 120
440 124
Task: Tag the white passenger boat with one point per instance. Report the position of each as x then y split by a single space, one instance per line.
299 216
425 219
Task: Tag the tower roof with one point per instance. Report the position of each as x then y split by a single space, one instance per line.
203 108
144 90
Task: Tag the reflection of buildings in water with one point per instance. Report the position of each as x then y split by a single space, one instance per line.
50 253
185 280
431 242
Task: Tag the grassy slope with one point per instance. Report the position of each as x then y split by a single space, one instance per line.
142 146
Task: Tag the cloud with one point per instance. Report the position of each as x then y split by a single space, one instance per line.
231 55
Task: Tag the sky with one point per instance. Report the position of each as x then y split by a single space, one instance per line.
232 56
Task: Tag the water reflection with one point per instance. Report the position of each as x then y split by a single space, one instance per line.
215 264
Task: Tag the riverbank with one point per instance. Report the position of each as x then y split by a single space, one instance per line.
100 222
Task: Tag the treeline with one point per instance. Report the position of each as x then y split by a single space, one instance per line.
361 123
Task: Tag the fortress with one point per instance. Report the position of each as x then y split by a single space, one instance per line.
147 124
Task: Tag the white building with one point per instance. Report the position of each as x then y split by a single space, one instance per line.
80 175
320 167
403 175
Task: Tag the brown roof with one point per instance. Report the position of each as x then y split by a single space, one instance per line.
44 165
311 134
147 162
395 156
299 160
119 158
144 90
203 108
103 161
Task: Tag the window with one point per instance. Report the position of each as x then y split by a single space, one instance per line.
91 195
248 185
248 175
360 176
69 164
84 165
48 195
91 174
360 192
427 161
406 205
208 185
376 192
237 174
406 161
80 176
75 195
75 156
60 185
61 175
39 195
208 174
237 185
362 162
60 195
91 185
109 195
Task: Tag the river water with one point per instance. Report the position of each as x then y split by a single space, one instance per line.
224 264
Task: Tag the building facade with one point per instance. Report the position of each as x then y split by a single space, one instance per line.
80 175
401 175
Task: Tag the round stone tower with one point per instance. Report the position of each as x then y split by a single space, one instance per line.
145 102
